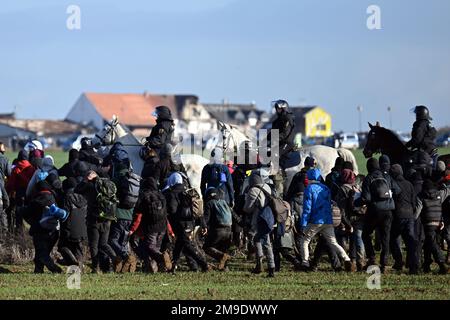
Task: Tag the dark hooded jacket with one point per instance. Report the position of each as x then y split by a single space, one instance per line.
431 202
423 136
374 172
68 169
162 132
88 191
345 196
285 124
176 208
152 168
44 197
89 155
405 202
333 179
74 228
153 207
385 164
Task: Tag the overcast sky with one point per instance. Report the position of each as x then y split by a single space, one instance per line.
241 50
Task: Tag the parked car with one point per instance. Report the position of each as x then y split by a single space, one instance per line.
348 141
443 140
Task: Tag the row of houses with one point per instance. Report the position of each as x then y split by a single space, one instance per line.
92 110
134 110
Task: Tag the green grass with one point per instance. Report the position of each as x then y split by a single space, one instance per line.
361 160
218 285
61 157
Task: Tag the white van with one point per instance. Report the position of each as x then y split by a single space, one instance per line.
348 141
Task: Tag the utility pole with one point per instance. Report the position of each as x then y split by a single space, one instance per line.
360 109
389 109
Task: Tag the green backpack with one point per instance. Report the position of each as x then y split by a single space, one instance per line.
106 198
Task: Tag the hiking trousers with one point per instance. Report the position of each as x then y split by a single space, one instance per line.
263 247
327 231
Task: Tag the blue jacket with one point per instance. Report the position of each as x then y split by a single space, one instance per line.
316 202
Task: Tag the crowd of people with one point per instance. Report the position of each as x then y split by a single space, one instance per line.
155 216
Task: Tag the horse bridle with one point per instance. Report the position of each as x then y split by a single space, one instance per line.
226 146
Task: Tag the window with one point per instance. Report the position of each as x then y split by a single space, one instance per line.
321 127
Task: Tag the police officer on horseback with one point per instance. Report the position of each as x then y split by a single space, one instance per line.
285 124
423 133
162 132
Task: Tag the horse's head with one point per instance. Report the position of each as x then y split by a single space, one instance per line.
374 139
110 132
227 136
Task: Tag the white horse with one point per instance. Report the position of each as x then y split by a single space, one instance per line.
115 132
324 155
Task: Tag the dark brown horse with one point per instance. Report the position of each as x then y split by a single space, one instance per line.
384 141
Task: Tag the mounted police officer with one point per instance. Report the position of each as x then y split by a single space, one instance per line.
285 124
162 132
423 133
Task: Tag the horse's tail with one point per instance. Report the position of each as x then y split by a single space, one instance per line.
347 155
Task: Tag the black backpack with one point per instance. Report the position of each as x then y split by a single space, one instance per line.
130 186
218 176
379 189
157 208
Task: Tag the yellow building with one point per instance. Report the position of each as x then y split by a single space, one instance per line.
312 122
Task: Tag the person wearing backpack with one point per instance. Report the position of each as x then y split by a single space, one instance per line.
73 230
296 192
430 208
153 225
377 193
218 217
403 223
343 228
98 221
257 205
16 187
47 167
317 218
44 239
353 215
182 220
216 174
128 185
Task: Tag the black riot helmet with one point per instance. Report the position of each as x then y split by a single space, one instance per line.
280 104
422 113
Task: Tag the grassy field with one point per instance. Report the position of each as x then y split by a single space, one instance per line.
18 282
61 157
22 284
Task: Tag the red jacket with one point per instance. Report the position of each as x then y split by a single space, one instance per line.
20 176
